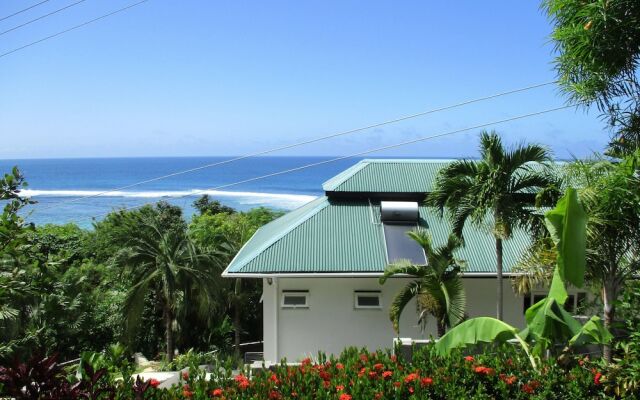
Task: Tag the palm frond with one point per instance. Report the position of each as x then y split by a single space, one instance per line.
402 267
400 301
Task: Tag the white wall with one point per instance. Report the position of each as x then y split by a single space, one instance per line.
332 323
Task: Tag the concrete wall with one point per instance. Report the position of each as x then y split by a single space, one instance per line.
332 322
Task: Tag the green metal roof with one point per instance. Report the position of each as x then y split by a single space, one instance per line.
331 236
388 176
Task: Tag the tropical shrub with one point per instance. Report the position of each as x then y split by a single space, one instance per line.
500 372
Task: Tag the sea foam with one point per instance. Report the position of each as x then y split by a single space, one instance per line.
285 200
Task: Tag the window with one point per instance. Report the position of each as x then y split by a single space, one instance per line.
368 299
575 302
295 299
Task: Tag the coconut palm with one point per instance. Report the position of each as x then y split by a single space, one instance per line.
501 186
164 265
438 288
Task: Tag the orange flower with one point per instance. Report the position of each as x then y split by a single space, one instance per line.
509 380
345 396
424 382
410 378
484 370
217 392
339 366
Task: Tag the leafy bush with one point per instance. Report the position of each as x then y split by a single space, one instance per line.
502 373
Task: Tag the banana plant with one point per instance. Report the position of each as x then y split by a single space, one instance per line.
548 322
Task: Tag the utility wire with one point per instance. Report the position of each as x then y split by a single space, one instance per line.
41 17
23 10
362 153
290 146
72 28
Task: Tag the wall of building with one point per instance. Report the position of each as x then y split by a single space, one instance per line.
332 322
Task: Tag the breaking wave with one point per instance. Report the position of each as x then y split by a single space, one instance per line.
251 198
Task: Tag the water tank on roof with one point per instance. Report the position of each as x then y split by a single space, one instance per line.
399 211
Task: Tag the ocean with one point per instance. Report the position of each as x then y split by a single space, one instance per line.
60 185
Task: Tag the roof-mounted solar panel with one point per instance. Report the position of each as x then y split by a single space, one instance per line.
398 218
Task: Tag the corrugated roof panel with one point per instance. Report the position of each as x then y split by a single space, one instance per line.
388 176
344 236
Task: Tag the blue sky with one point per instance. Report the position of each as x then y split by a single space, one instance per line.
193 78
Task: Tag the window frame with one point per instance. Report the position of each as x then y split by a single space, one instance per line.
298 293
574 298
368 293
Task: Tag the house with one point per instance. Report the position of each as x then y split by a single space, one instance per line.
320 263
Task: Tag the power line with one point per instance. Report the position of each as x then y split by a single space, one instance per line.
41 17
362 153
72 28
290 146
23 10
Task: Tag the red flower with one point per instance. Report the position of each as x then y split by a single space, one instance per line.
378 367
361 373
410 378
509 380
364 358
597 378
424 382
530 387
469 358
387 374
154 382
273 395
186 391
394 358
397 384
373 374
185 375
484 370
306 361
378 396
339 388
410 389
345 396
243 381
325 375
339 366
527 389
217 392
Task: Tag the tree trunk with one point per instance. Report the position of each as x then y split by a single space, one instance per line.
237 324
608 299
499 278
168 325
441 329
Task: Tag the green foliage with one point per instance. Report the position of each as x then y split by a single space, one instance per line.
357 374
548 322
501 186
166 264
599 50
205 205
438 287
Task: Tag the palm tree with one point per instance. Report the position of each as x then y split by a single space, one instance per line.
501 185
438 288
164 265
